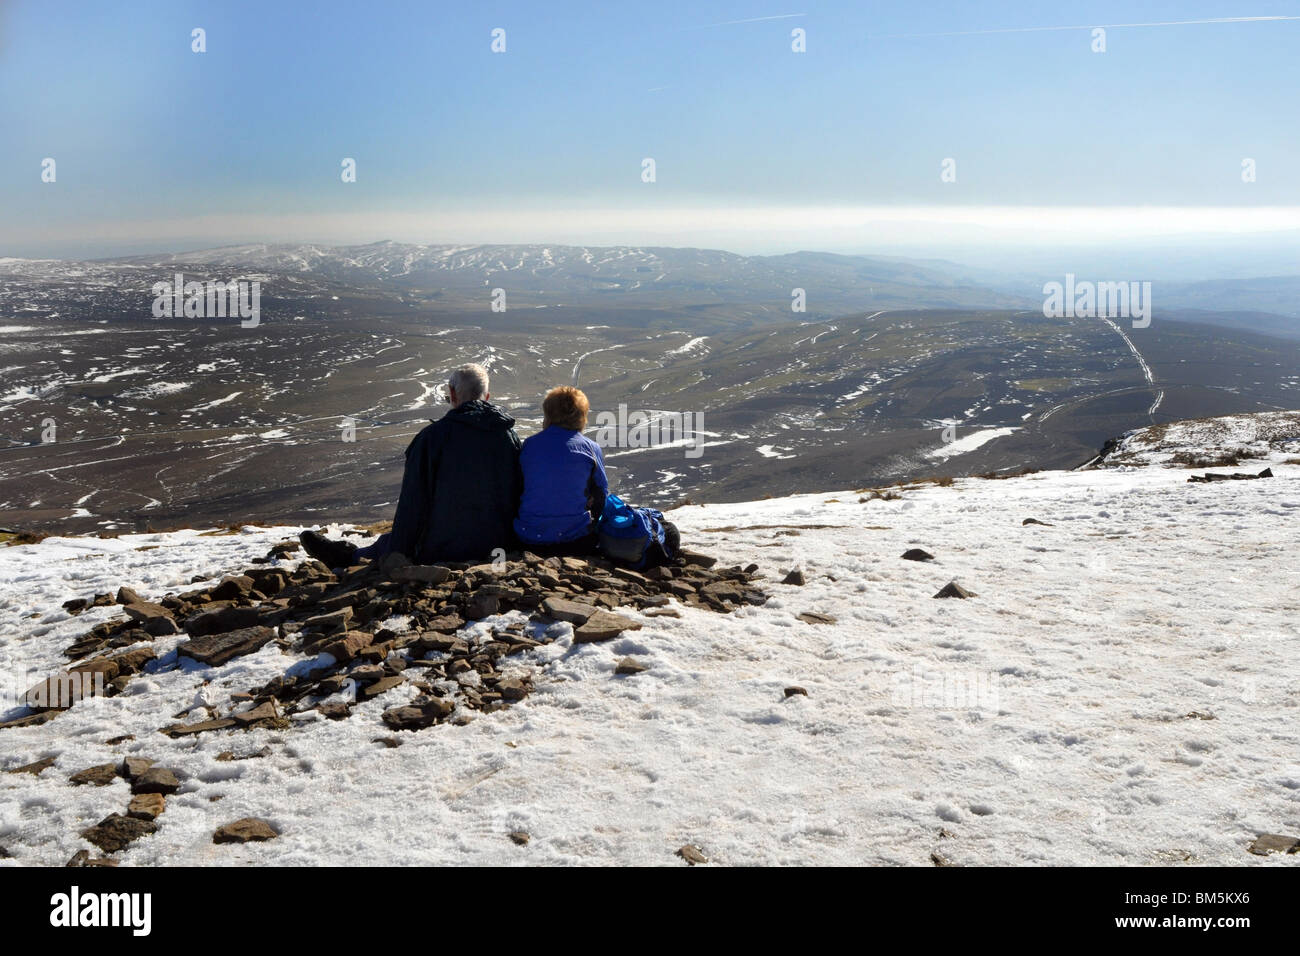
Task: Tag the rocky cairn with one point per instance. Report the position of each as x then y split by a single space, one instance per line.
335 620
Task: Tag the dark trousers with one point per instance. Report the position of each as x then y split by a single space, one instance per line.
577 548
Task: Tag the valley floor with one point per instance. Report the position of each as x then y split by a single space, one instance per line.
1062 716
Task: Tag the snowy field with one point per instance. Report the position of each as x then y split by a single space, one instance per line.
1059 717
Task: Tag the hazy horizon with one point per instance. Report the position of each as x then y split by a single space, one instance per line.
999 136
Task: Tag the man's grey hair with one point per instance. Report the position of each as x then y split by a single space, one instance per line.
470 382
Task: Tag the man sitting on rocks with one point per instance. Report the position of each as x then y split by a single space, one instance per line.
460 488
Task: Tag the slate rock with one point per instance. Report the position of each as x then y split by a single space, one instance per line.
202 727
263 711
100 776
812 617
692 854
954 590
133 767
1267 843
570 611
134 660
513 689
795 577
144 612
348 646
247 830
602 626
793 691
418 716
520 837
115 832
335 710
35 768
917 554
629 665
146 806
127 596
83 858
381 686
215 649
156 780
421 573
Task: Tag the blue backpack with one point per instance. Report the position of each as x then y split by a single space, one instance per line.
634 537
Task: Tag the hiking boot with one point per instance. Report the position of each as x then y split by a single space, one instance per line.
332 554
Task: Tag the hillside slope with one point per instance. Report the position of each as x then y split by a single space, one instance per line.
1120 691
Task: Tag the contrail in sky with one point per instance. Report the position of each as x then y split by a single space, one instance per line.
1089 26
779 16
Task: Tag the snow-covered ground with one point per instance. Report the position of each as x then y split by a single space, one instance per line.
1047 720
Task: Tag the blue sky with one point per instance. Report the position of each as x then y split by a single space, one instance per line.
755 146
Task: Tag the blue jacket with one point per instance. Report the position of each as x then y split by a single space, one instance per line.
564 479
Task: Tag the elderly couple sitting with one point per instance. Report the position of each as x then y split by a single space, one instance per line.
470 488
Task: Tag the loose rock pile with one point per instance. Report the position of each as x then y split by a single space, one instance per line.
337 620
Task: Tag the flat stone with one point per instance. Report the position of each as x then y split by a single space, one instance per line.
630 665
215 649
418 716
203 726
570 611
602 626
520 837
231 589
335 710
115 832
334 622
698 560
513 689
133 767
793 691
100 776
126 595
446 623
795 577
263 711
83 858
220 620
917 554
134 660
421 573
692 854
348 646
146 806
812 617
381 686
483 605
247 830
35 767
1267 843
145 612
156 780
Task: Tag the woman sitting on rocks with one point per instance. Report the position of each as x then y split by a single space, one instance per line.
564 480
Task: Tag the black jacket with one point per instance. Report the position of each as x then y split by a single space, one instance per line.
460 489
